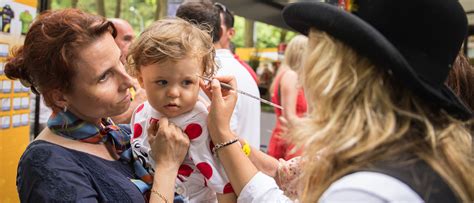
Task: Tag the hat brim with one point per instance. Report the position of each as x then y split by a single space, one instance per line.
368 41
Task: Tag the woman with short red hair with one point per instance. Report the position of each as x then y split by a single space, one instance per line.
70 58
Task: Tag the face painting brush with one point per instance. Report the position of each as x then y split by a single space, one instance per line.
228 87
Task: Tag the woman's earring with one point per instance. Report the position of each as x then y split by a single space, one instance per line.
64 108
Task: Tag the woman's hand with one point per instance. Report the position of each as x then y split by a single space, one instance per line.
239 169
169 144
221 109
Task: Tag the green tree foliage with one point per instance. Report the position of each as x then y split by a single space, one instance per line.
143 12
239 26
268 36
139 12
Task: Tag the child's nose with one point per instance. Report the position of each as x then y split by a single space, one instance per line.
173 92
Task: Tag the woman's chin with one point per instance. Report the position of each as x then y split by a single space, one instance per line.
120 111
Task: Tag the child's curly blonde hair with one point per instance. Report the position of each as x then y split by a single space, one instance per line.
172 39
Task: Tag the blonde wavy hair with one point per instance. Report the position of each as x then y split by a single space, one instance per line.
172 39
359 116
294 56
295 51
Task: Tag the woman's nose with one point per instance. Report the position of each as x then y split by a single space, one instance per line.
126 80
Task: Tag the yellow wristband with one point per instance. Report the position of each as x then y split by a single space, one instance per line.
246 149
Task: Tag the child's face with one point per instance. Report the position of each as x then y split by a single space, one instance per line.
172 87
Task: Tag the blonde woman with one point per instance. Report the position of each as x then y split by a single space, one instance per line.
385 128
287 92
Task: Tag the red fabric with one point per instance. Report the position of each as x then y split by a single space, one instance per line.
140 108
193 131
228 188
205 169
137 130
278 146
249 69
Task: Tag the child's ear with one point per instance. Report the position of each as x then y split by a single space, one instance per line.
140 80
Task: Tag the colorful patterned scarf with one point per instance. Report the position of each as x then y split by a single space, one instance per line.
116 138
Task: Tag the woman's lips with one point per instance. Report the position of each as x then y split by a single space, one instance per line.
126 98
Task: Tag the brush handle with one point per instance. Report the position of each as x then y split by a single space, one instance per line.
260 99
229 87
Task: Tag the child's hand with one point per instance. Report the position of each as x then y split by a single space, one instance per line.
169 144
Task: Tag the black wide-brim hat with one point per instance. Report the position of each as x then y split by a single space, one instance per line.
416 40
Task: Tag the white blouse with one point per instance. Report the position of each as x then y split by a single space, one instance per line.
356 187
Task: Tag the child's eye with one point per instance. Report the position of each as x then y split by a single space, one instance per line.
187 82
161 82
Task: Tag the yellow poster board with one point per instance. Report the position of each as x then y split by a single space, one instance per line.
30 3
263 54
14 97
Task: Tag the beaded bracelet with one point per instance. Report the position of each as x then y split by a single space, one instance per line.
221 145
162 197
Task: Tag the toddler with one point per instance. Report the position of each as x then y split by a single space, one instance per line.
168 59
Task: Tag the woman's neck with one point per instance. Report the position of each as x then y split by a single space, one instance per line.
95 121
98 150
